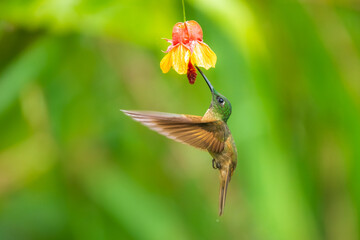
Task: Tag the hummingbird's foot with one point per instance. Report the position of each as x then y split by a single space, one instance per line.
215 164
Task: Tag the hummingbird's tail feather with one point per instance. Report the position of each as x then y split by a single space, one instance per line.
225 176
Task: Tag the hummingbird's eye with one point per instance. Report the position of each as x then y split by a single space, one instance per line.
220 100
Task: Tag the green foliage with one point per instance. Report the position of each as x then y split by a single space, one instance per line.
73 166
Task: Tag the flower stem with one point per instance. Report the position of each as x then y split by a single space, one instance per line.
183 5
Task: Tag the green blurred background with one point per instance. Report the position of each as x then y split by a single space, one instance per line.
72 166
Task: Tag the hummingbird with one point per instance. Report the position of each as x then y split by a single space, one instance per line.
209 132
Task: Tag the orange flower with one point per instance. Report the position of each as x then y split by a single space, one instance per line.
186 50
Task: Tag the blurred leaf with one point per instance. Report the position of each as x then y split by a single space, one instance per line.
26 68
146 216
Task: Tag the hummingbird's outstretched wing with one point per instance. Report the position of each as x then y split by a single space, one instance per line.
189 129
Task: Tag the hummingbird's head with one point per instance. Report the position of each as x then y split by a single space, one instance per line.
220 106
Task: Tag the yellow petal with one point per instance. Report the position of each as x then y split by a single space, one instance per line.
166 62
203 56
180 59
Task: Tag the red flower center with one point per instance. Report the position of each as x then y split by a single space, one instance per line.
191 73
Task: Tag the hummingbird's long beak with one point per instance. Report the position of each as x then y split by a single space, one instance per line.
206 80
